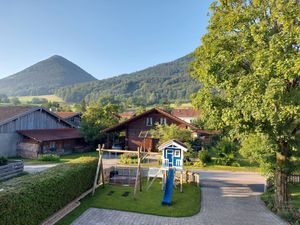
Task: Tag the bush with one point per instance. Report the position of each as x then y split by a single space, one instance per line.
226 152
49 158
32 198
3 160
129 158
203 156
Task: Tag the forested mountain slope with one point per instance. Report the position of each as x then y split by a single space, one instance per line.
163 82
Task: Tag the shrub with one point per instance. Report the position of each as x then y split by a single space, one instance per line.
3 160
226 152
49 158
203 156
129 158
32 198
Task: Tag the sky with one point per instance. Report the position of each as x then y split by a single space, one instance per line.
104 37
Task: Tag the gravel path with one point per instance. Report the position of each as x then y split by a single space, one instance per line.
227 199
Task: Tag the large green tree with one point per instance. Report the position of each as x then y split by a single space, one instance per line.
96 118
249 64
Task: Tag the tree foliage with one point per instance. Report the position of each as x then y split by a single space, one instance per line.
155 85
249 65
96 118
167 132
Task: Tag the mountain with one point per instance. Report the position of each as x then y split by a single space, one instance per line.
44 77
165 82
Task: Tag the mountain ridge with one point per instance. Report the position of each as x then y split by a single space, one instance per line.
44 77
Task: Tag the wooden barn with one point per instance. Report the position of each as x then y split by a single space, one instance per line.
20 118
134 131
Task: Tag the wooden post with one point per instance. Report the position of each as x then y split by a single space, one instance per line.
181 177
186 176
137 178
98 168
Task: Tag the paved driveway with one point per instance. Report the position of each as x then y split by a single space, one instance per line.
227 199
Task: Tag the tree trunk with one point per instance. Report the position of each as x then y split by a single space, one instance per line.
281 177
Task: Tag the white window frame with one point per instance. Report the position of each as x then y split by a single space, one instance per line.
163 121
177 153
149 121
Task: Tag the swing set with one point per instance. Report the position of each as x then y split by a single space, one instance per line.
141 155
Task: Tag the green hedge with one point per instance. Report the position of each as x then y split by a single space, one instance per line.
32 198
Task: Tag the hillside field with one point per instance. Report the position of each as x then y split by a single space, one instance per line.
50 98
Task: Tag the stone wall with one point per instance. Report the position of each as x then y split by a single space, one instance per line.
28 150
8 144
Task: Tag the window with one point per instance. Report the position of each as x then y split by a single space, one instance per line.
149 121
177 153
163 121
52 145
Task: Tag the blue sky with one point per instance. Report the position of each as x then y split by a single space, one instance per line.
104 37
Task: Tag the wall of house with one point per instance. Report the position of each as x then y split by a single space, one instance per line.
62 147
28 149
8 144
135 127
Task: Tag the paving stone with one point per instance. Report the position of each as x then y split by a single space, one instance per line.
227 199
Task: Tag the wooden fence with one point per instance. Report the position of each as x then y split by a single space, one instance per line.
295 178
13 168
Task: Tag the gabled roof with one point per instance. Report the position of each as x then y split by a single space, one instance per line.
41 135
10 113
172 143
185 112
168 115
67 115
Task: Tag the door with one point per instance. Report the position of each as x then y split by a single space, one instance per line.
170 156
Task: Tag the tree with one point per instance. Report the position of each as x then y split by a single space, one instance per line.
96 118
249 66
4 98
15 101
167 132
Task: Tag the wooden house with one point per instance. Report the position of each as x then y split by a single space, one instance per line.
187 114
22 118
72 117
134 132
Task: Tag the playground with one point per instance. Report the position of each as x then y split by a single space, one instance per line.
166 191
184 204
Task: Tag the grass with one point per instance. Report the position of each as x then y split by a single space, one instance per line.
63 159
52 98
148 202
294 189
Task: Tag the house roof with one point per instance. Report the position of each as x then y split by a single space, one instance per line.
67 115
122 124
127 114
10 113
173 142
185 112
42 135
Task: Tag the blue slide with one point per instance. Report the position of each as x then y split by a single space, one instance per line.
169 188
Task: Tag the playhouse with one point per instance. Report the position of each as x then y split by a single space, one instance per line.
172 160
172 154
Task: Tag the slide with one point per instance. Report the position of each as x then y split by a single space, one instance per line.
169 188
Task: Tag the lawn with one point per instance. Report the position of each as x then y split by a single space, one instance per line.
148 202
63 159
295 194
50 98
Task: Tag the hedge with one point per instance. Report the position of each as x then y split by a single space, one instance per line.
32 198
